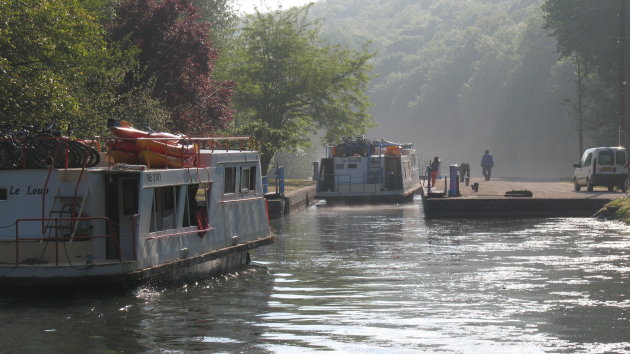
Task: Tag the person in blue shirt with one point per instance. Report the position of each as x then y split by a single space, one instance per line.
486 165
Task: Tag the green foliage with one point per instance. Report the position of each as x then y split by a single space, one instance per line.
46 47
55 67
290 82
618 209
221 16
588 31
458 77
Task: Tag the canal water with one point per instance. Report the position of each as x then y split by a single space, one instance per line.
368 280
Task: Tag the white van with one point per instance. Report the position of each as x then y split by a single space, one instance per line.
601 166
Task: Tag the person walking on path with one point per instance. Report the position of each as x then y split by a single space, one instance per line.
435 169
486 165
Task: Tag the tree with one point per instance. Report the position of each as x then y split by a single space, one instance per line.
589 30
458 77
49 51
290 83
222 18
175 54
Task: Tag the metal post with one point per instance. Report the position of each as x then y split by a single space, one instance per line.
580 124
622 74
316 171
454 179
281 179
265 184
17 243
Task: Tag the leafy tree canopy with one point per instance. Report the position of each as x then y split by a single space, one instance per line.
291 83
222 18
590 30
175 58
49 50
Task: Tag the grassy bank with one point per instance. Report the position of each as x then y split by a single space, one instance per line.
618 209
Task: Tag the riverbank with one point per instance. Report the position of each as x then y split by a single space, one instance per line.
618 209
298 194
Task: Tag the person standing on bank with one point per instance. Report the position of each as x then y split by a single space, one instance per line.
486 165
435 169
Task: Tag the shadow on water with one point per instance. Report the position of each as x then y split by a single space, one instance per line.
203 314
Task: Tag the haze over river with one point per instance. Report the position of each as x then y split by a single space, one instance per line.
368 279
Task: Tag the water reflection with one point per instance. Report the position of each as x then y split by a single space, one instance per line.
217 314
491 284
369 280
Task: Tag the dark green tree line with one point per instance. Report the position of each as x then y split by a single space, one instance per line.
458 77
588 30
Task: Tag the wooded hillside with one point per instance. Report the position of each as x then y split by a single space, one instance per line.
457 77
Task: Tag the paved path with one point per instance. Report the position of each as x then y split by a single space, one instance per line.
540 189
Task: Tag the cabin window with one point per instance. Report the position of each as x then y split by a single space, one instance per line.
252 178
230 180
244 180
352 165
248 179
196 204
3 194
163 216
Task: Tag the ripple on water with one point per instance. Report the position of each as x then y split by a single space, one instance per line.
370 280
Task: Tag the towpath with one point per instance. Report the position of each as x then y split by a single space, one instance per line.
497 187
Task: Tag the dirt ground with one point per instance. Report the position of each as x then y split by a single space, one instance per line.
540 189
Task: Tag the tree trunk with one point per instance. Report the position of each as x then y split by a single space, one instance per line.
265 159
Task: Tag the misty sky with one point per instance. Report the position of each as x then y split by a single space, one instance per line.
249 5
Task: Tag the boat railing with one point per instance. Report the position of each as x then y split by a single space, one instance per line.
58 224
169 152
44 151
370 183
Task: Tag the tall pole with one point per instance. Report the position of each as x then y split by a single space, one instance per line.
580 125
623 136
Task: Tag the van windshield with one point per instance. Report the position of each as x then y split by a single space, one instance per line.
606 158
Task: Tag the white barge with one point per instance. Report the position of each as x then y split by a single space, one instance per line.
368 171
119 225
